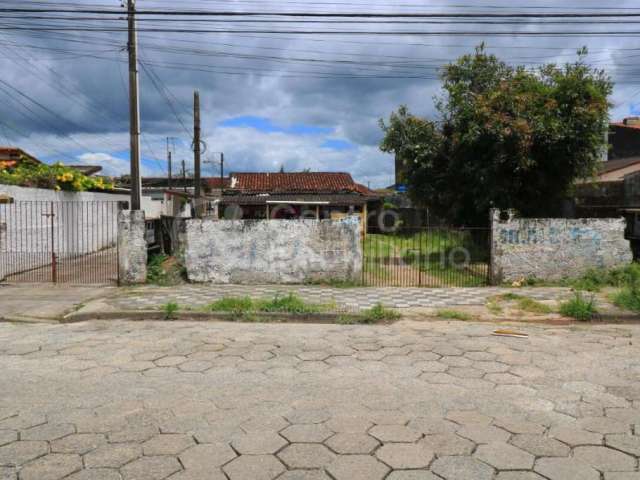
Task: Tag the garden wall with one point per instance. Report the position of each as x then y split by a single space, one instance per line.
83 223
551 248
272 251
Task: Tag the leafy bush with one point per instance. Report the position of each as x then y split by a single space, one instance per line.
55 177
170 309
629 297
164 270
290 303
579 308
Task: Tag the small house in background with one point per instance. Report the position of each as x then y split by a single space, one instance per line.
624 139
315 195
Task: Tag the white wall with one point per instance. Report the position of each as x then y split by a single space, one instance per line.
83 222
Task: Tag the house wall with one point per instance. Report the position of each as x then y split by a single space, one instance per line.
83 222
272 251
551 249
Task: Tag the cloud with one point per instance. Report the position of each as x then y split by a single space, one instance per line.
304 101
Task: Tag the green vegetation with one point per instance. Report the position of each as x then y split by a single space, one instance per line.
594 280
163 270
439 256
505 137
55 177
336 283
629 297
170 309
530 305
454 315
290 303
494 307
579 308
376 314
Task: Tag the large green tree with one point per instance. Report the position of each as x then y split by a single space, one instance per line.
506 137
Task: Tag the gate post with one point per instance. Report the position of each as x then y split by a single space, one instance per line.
132 247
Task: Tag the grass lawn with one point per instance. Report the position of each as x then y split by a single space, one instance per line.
425 258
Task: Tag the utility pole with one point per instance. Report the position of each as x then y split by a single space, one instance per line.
134 109
184 176
169 164
221 173
196 150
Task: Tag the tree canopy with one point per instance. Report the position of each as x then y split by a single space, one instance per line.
506 137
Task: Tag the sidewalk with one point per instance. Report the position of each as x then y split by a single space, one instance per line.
345 299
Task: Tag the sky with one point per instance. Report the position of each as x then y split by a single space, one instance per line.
268 100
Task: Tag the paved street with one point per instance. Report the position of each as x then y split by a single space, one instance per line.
432 400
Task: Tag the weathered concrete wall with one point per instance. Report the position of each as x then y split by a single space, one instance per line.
132 247
272 251
551 249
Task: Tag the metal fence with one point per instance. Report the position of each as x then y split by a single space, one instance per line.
59 242
427 257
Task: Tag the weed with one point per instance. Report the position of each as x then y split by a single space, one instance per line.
579 308
494 307
454 315
290 303
170 309
336 283
530 305
237 305
379 313
164 271
508 297
629 297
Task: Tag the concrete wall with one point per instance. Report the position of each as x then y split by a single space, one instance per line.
272 251
551 249
83 222
132 247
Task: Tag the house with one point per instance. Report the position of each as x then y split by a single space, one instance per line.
624 139
316 195
616 170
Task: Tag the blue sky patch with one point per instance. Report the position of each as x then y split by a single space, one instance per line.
337 144
634 109
263 124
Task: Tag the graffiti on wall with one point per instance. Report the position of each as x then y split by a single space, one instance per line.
549 236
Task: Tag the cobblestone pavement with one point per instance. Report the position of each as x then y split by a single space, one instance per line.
147 297
410 401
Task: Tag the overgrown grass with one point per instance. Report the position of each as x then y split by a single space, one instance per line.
170 309
579 307
454 315
629 297
163 270
593 280
336 283
290 303
376 314
530 305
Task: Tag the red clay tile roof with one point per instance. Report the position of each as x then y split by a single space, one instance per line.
299 182
214 182
618 164
623 125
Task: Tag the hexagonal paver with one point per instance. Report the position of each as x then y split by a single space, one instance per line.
79 443
518 476
605 459
405 455
150 468
306 456
352 443
469 417
411 475
503 456
461 468
112 456
7 436
18 453
484 434
207 456
624 442
308 416
515 425
444 444
133 434
47 432
565 469
307 433
348 424
258 443
622 476
574 436
395 433
51 467
357 467
540 445
265 424
205 474
96 474
167 444
195 366
170 361
256 467
304 475
603 425
8 473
